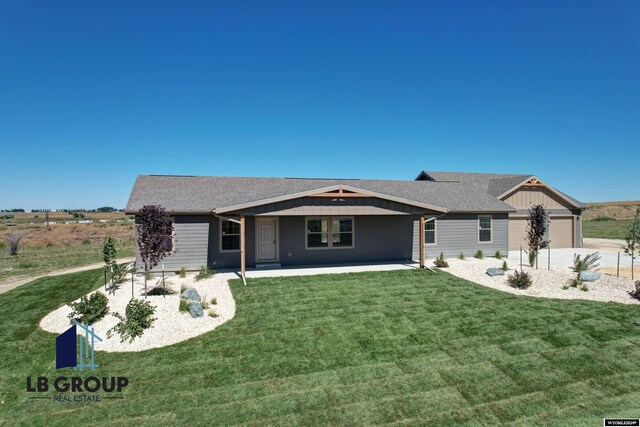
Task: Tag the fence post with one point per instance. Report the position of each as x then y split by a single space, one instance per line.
618 270
105 278
521 258
549 258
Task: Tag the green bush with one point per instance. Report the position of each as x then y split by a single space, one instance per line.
505 266
182 289
203 302
160 290
498 255
204 273
636 293
589 262
49 244
603 218
214 301
479 254
90 309
519 280
184 305
533 255
138 318
183 273
86 242
120 273
440 261
461 256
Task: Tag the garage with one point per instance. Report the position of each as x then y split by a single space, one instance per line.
517 233
561 232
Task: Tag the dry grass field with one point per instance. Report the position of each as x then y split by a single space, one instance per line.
614 210
44 249
609 220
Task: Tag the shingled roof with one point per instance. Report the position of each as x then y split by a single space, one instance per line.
494 184
204 194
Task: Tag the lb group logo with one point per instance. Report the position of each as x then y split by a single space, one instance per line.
77 351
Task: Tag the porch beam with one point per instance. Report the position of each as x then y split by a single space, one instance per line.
243 261
227 218
422 241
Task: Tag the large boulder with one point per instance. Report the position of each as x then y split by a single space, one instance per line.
195 309
588 276
191 294
495 272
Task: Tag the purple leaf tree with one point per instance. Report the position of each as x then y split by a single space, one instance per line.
154 232
536 228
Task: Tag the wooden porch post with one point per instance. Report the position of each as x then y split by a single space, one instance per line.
421 241
243 261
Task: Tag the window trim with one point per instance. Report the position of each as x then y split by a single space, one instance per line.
226 251
490 229
329 233
435 231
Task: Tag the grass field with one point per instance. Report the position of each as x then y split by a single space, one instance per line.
61 245
405 347
610 229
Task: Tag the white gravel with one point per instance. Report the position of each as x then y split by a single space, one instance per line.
546 283
171 325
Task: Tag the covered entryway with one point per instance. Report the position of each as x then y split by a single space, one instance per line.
517 233
561 232
266 239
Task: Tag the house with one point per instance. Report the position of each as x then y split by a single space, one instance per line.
231 222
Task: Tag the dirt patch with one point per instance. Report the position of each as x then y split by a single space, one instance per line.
624 271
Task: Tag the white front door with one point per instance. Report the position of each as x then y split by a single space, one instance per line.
266 239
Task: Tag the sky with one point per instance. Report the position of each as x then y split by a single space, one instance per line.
94 93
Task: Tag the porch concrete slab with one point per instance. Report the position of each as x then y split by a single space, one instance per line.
332 269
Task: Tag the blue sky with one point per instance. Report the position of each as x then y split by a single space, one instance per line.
92 94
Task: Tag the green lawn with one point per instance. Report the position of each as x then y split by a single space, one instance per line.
611 229
407 347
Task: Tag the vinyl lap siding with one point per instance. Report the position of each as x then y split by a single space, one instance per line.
457 233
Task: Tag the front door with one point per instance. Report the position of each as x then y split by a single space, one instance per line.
266 239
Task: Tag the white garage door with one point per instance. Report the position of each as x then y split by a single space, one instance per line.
517 233
561 232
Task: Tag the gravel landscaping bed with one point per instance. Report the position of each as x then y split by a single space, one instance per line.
546 283
171 326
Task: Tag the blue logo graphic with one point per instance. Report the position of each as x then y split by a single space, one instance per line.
66 354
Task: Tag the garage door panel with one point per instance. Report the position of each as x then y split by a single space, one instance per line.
517 233
561 232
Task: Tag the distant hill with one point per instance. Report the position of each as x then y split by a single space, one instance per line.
617 210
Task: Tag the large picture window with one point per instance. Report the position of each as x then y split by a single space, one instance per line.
329 232
484 228
229 236
430 231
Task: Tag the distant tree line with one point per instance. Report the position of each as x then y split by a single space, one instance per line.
12 210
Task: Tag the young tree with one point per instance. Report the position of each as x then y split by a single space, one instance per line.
536 228
14 242
109 251
154 232
633 239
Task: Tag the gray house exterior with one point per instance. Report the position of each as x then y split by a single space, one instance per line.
239 222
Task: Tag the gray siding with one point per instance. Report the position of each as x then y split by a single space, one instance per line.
459 233
376 238
192 245
219 259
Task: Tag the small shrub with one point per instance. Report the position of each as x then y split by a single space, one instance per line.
603 218
584 287
182 289
212 313
148 275
505 266
14 239
183 273
440 261
119 273
213 301
90 309
461 256
204 273
86 242
49 244
27 264
479 254
2 245
533 255
575 282
636 293
565 286
137 319
498 255
203 302
183 307
519 280
160 290
589 262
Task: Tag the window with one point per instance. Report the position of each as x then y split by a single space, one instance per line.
330 232
430 231
484 228
229 236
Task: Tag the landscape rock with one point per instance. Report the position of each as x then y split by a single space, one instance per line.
195 310
589 276
191 294
495 272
